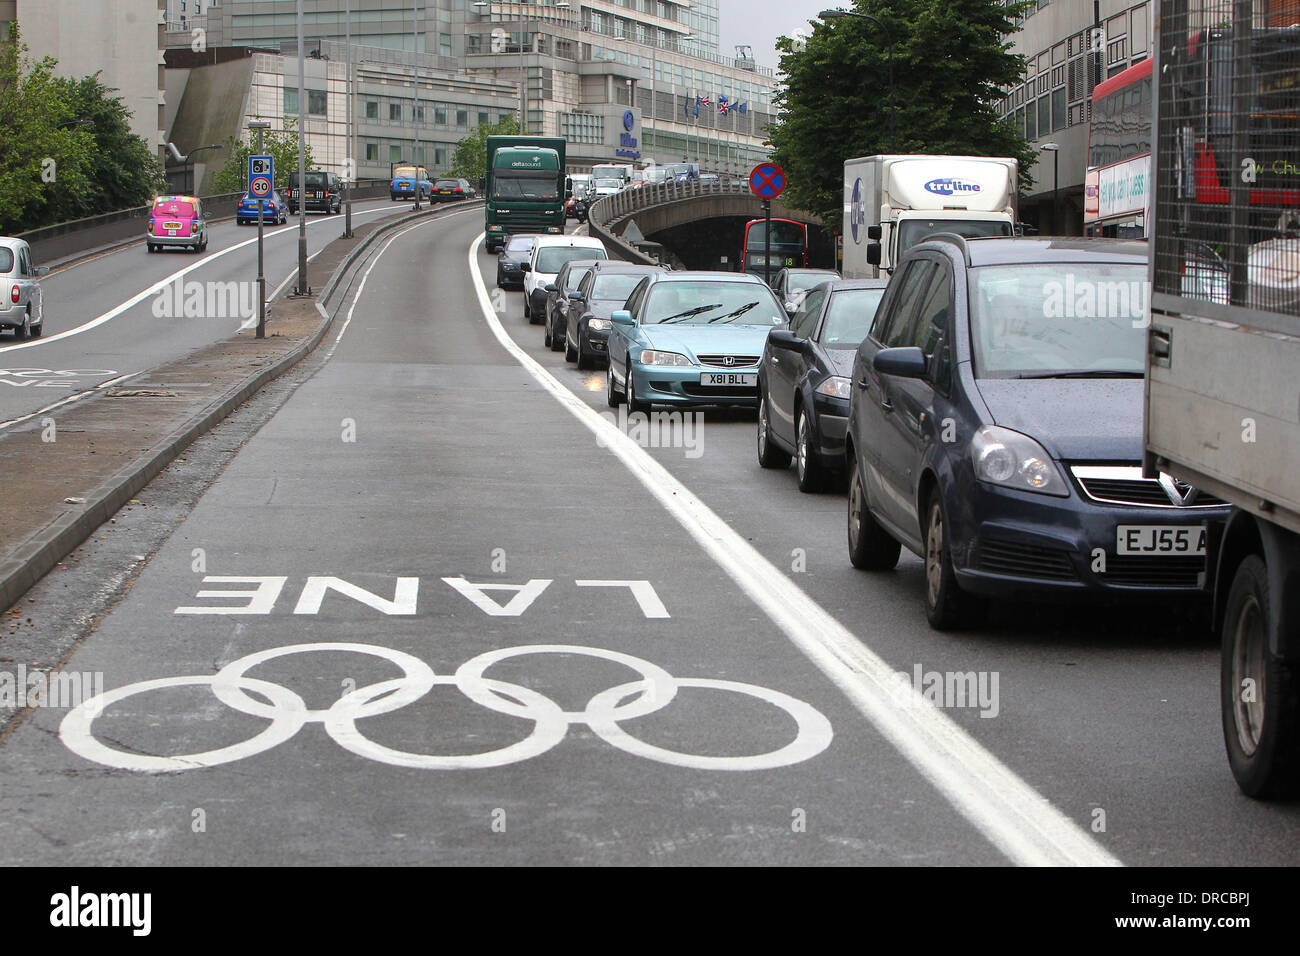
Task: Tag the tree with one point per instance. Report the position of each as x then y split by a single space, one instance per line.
123 170
470 159
951 62
40 163
280 144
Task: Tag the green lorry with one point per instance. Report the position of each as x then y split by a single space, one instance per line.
525 187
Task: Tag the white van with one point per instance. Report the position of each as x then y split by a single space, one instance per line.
548 257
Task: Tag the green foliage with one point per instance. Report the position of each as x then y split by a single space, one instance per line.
123 171
470 159
68 147
951 63
39 160
281 144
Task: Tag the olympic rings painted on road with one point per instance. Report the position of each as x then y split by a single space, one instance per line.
288 712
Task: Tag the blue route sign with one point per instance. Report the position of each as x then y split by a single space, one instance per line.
261 174
766 180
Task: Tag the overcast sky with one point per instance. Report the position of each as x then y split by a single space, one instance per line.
759 22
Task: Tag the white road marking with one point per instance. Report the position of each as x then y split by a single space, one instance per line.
69 400
160 284
1014 817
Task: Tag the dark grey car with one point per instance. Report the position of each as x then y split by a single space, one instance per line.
995 429
556 313
510 260
605 289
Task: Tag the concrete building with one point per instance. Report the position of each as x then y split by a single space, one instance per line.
123 40
631 79
1070 46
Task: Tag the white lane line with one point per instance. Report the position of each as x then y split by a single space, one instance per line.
69 400
1015 818
160 284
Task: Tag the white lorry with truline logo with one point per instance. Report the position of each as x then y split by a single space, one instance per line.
893 202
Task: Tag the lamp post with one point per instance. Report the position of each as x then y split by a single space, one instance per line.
415 108
837 14
302 288
260 125
189 160
349 155
1055 150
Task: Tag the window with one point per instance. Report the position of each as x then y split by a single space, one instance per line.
440 156
316 102
440 116
1059 117
394 153
482 117
462 119
419 114
395 112
290 100
899 319
930 332
1044 115
372 109
372 152
801 324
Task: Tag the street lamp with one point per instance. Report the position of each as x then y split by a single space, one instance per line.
835 15
189 160
1055 150
415 107
261 125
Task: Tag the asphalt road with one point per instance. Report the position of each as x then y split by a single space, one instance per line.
447 506
102 315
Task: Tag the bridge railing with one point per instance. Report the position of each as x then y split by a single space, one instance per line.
608 211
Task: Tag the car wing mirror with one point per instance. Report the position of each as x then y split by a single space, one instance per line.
623 317
785 339
525 267
905 362
549 287
42 271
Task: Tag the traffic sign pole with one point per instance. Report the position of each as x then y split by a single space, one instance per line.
766 181
261 170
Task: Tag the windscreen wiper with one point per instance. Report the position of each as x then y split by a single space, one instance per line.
731 315
689 312
1086 373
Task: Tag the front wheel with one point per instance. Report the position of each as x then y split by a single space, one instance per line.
634 404
947 606
1259 693
611 394
769 456
812 475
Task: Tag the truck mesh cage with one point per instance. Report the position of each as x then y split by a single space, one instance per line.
1228 153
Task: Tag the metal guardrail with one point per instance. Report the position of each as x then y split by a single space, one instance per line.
65 239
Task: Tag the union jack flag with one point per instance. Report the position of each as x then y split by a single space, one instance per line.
704 100
723 105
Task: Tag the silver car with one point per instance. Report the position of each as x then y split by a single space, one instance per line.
21 306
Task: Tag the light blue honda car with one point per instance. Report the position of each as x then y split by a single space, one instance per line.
690 338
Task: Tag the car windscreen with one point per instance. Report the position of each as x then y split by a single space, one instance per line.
614 287
521 243
6 260
314 180
608 183
1063 320
552 258
803 281
520 184
848 317
913 231
173 207
711 303
448 184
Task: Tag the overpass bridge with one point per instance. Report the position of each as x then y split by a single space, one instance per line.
699 226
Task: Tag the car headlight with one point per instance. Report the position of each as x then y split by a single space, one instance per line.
654 357
835 386
1004 457
603 325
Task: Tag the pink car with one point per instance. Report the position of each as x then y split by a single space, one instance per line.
177 221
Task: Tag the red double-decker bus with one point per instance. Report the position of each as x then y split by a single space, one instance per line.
1117 185
787 249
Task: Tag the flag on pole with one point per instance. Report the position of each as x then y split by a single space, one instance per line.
723 104
703 100
741 108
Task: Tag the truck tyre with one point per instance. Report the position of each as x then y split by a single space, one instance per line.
1259 693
